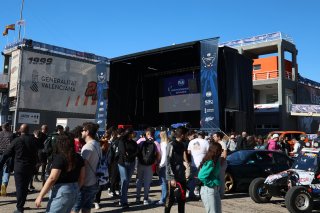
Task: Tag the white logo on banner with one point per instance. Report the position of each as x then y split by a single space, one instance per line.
207 119
181 82
208 94
208 61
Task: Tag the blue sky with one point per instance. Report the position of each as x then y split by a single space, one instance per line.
117 27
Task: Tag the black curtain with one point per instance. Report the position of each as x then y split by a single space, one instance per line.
235 90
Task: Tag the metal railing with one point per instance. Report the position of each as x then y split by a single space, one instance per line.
258 39
258 75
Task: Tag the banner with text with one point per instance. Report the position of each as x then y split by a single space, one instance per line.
209 87
102 86
14 73
57 84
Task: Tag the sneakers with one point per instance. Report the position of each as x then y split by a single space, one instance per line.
111 194
117 192
160 203
196 192
138 201
147 202
3 190
124 206
187 193
96 206
31 189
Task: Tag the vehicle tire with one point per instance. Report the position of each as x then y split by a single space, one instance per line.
258 192
229 184
298 200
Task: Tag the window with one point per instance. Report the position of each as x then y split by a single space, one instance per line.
261 158
257 67
281 159
271 98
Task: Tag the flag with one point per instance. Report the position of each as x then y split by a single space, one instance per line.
8 27
21 22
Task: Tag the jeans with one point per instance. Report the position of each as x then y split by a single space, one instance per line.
62 197
211 199
4 172
164 184
192 180
86 197
126 170
222 174
115 177
144 175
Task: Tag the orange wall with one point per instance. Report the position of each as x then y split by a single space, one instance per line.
267 64
271 64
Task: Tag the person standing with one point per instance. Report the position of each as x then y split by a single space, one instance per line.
128 151
24 150
217 137
273 143
231 144
284 145
90 153
6 136
41 154
197 148
242 141
104 143
176 172
66 177
260 143
50 147
113 157
148 155
162 166
209 175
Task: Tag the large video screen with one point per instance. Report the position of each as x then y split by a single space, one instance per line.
179 93
57 84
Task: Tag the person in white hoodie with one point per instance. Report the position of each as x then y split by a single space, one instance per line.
162 166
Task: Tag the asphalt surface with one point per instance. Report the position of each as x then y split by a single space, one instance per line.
237 202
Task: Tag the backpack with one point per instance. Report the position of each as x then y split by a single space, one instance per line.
147 152
49 145
113 152
102 169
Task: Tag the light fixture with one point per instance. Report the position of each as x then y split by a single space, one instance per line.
151 68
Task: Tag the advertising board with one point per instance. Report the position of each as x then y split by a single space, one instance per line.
14 72
57 84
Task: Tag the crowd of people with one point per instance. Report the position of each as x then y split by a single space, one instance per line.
76 166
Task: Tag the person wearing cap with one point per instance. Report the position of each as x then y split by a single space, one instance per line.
273 143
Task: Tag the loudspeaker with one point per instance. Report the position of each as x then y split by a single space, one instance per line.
192 84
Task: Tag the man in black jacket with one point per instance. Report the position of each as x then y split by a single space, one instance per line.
176 171
242 141
24 150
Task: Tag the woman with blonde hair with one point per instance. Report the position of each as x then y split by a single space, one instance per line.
162 166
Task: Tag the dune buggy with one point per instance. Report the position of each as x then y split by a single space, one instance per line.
300 185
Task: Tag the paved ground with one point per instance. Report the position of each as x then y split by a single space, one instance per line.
238 202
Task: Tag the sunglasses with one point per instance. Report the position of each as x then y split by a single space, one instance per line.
83 130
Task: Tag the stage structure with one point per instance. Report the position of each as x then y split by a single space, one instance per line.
197 82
